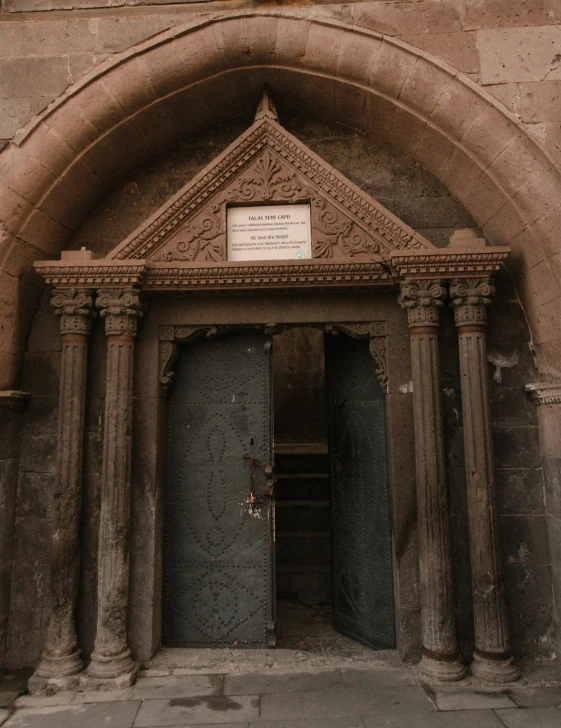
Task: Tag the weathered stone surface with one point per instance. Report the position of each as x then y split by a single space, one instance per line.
519 54
422 300
492 657
516 13
198 710
111 658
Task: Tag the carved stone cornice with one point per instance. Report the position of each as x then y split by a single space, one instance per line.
304 274
422 300
91 273
470 298
121 309
11 399
74 307
447 262
544 392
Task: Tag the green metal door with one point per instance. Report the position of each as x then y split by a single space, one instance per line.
218 520
362 551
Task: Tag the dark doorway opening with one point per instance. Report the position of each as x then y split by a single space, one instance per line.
333 541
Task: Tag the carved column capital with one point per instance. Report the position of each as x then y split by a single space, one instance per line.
74 307
121 309
470 298
422 300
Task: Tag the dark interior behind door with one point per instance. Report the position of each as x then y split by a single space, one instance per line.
218 529
362 553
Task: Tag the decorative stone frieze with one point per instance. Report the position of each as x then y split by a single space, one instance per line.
61 661
111 662
544 392
492 657
422 300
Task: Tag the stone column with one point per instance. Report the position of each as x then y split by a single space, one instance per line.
111 659
441 658
492 658
61 657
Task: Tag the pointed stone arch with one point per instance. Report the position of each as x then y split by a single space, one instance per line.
59 166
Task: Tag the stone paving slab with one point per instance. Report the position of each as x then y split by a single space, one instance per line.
531 718
349 702
176 687
108 715
281 682
218 709
457 719
377 677
103 696
536 697
319 723
44 701
4 714
454 699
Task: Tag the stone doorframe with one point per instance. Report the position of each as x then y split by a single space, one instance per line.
426 278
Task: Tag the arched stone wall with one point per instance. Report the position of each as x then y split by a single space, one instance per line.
186 77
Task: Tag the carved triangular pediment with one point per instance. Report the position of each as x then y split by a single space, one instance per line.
266 164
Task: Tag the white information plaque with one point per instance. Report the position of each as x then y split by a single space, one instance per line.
271 232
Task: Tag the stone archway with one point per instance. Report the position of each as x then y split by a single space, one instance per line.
66 159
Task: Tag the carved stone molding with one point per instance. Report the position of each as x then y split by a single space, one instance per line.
470 298
74 307
544 392
376 332
284 275
447 262
422 300
170 338
121 310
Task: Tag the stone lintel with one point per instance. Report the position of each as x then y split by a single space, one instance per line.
544 392
11 399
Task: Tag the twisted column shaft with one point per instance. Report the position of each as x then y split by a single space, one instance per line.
61 656
441 659
111 658
492 657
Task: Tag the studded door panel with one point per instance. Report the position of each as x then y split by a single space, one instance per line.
218 571
362 555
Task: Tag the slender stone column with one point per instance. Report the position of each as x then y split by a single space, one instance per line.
492 657
61 657
441 658
111 658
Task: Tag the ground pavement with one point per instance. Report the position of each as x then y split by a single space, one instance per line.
288 691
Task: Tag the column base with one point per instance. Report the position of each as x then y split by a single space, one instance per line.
501 670
56 673
39 685
122 682
117 669
444 671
